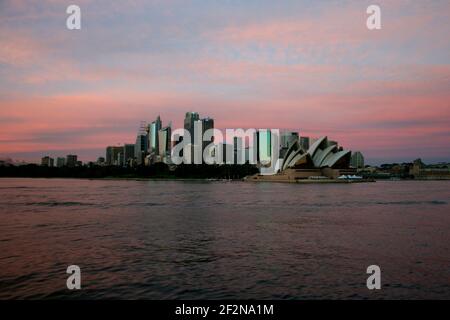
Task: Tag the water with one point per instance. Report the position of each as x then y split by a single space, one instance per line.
219 240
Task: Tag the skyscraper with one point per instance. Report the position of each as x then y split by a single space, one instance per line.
153 129
140 148
239 150
71 160
357 160
304 143
189 121
207 123
47 161
164 142
60 162
111 155
264 145
287 138
128 153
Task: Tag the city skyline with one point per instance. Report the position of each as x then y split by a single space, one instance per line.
295 65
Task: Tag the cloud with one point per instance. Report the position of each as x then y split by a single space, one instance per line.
302 65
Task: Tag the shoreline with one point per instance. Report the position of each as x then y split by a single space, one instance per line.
310 181
299 181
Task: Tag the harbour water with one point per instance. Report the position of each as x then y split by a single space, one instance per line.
223 240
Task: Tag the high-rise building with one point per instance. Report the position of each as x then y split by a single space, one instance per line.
287 138
120 159
71 160
153 129
227 152
141 144
100 161
111 155
189 121
305 143
47 161
164 142
207 123
239 150
357 160
60 162
128 153
264 145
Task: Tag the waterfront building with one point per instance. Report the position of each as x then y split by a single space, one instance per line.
321 154
47 161
226 149
71 160
323 159
304 143
60 162
207 123
238 150
128 153
100 161
420 171
153 130
164 143
140 148
120 159
189 121
191 118
357 160
111 154
287 138
264 146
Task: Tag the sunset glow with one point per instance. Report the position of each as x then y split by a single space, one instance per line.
310 66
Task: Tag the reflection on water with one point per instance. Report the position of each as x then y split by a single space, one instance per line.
218 240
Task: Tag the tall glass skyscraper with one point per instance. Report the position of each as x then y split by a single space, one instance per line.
264 139
153 129
164 141
189 121
207 123
140 148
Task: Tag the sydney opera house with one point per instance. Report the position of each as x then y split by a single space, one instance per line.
324 160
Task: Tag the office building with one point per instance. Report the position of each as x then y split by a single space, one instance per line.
164 142
305 143
264 146
128 153
100 161
287 138
153 130
207 123
71 160
140 148
60 162
47 161
111 155
120 159
357 160
189 121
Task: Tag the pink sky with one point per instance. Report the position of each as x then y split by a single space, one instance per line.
308 67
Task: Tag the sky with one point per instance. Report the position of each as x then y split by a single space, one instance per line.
306 66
